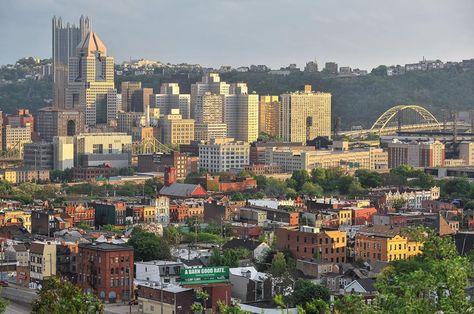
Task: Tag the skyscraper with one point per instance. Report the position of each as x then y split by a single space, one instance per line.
305 115
209 116
170 98
91 79
269 115
241 113
65 39
210 83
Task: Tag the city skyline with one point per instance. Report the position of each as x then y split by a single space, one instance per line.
361 35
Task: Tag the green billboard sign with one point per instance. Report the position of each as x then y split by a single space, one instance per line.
204 275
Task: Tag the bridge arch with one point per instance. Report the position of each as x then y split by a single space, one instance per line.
393 112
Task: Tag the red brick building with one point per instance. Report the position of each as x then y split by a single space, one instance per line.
330 246
218 292
213 183
361 216
81 214
106 270
182 210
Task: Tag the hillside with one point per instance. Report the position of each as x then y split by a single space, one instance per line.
357 100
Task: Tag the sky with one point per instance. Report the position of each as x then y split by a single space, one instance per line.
357 33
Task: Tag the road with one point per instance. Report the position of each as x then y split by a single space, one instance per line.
20 299
18 308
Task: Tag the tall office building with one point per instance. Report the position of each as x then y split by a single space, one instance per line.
305 115
65 38
51 122
175 130
91 78
169 98
241 113
269 115
128 89
141 99
210 83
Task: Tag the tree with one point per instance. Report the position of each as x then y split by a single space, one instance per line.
318 175
226 309
315 306
344 183
61 296
350 304
399 203
457 187
148 246
237 197
355 189
300 177
305 290
84 226
369 179
312 189
433 282
278 267
110 228
275 188
172 235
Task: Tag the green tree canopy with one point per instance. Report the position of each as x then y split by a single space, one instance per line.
279 266
305 291
148 246
61 296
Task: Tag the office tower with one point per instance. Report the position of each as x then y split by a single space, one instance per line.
126 121
175 130
65 38
269 115
51 122
241 113
141 99
219 155
128 88
113 104
466 153
210 83
169 98
38 155
305 115
91 78
209 116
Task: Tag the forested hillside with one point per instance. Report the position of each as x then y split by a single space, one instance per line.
356 100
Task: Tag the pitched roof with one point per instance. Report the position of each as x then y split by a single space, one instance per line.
37 248
92 43
367 284
19 247
179 189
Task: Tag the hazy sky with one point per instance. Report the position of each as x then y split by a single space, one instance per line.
358 33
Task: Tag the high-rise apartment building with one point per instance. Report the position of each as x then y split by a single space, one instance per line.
210 83
175 130
65 38
305 115
416 154
51 122
209 116
241 113
269 115
169 98
219 155
91 79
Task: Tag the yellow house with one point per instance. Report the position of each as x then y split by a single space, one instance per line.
149 214
345 217
16 216
383 243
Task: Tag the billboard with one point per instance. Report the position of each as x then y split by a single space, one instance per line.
204 275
